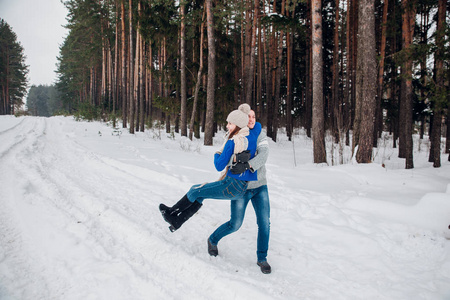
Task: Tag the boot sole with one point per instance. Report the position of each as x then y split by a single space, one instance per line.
164 214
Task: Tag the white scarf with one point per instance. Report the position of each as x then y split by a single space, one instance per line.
240 144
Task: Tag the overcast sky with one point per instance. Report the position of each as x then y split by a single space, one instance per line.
38 25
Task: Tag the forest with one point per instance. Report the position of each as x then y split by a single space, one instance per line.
349 69
44 101
13 70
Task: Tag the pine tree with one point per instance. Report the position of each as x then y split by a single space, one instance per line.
13 71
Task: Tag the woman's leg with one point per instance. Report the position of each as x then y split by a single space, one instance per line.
228 188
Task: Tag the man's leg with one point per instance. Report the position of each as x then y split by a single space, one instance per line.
261 204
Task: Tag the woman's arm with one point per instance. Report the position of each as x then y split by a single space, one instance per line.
221 159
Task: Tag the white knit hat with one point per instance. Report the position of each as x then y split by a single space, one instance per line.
239 117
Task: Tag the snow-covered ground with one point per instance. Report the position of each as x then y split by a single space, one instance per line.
79 219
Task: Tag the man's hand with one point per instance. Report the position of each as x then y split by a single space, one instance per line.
238 168
243 156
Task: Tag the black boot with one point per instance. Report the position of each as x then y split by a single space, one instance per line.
181 205
183 216
179 213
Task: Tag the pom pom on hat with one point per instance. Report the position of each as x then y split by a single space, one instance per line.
245 108
239 117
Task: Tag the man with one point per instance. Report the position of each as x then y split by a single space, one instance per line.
258 193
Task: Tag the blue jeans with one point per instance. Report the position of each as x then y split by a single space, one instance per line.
229 189
260 202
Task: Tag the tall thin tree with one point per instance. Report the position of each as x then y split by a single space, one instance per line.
367 74
318 122
211 85
440 97
408 22
183 95
199 80
123 54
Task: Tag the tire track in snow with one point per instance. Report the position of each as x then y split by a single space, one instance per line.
14 261
12 128
7 146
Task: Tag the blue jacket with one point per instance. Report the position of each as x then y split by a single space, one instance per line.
221 160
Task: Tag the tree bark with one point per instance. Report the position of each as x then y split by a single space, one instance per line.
259 107
209 121
367 76
439 103
289 71
183 72
116 64
379 112
136 79
335 81
270 46
308 62
141 77
346 111
447 136
318 126
250 65
198 83
131 68
408 22
124 77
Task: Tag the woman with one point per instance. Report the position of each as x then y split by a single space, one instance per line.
230 186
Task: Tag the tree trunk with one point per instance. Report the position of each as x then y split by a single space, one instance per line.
408 22
335 81
209 126
183 72
308 62
358 84
346 111
367 74
150 83
447 136
290 62
318 126
131 66
198 83
250 66
354 56
440 85
104 64
137 71
270 46
379 112
425 11
124 65
116 65
277 94
141 79
259 107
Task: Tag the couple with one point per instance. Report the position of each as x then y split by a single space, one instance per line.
242 159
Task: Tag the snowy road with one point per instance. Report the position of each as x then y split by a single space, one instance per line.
79 220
